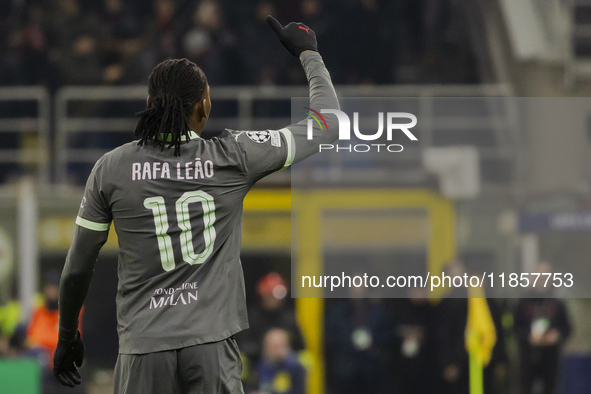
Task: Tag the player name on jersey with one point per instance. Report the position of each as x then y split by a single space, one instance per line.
162 170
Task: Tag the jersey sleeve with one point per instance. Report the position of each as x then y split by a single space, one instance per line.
265 151
322 96
94 213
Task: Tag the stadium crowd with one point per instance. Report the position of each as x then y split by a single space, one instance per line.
88 42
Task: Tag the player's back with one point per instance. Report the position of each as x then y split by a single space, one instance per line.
178 222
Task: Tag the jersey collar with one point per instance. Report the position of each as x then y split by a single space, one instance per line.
193 135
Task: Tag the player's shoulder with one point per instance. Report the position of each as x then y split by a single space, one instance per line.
226 140
121 150
230 134
116 154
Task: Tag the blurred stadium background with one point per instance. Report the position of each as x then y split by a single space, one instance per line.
73 72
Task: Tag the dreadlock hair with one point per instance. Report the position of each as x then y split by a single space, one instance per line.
175 86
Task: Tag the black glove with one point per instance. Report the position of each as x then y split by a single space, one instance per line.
68 355
296 37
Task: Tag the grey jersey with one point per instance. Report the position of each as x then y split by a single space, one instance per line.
178 222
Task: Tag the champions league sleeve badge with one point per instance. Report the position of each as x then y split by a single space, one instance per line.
259 136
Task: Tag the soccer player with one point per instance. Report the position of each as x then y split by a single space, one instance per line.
176 203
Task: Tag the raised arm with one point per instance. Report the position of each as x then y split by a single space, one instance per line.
300 41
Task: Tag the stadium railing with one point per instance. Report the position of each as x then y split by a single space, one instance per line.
31 127
264 107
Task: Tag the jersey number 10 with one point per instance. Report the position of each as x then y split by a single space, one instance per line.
156 204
